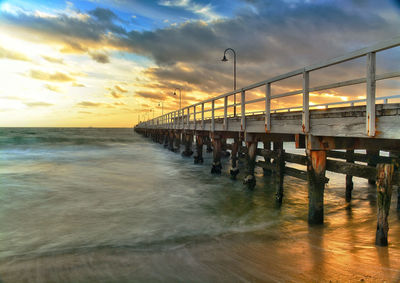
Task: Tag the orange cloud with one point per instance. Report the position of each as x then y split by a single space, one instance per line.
9 54
117 87
57 76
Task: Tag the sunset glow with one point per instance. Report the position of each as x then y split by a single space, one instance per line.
110 63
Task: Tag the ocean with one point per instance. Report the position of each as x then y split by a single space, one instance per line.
108 205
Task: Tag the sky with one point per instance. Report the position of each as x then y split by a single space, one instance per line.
110 63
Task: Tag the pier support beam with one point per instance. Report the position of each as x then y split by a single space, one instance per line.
316 167
224 151
234 159
395 156
198 158
384 195
250 180
216 166
267 145
188 141
208 144
177 147
166 139
171 139
372 160
349 178
280 171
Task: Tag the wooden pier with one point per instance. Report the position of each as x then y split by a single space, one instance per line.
329 133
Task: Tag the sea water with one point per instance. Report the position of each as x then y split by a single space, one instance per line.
108 205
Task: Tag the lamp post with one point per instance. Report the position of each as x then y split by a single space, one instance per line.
224 59
162 107
180 97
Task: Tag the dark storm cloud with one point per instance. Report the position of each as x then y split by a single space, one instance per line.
150 95
100 57
104 15
270 38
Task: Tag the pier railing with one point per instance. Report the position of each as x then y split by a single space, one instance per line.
193 116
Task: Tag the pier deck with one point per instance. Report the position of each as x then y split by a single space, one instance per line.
371 123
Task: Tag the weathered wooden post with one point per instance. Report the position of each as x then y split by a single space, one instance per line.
384 195
280 171
372 160
177 141
224 148
171 140
166 139
349 178
395 156
188 140
198 158
216 166
234 159
267 145
250 180
208 144
316 166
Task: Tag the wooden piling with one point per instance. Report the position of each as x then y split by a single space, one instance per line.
177 147
349 178
188 141
250 179
234 158
372 160
280 173
316 167
267 145
198 158
395 156
171 140
208 144
384 194
216 166
224 147
166 139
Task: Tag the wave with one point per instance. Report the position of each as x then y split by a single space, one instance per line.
94 136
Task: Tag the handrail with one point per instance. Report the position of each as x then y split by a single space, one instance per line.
178 119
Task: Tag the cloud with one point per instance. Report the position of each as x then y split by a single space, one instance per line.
75 84
57 76
53 60
100 57
204 11
104 15
150 95
119 103
13 55
120 89
270 38
38 104
52 87
89 104
116 94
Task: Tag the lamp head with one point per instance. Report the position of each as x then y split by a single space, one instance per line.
174 93
224 59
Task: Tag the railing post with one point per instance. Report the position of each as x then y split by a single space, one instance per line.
175 121
182 112
225 113
188 118
306 101
243 108
194 117
212 116
268 107
202 116
371 86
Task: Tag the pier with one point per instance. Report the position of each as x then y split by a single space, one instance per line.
329 134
